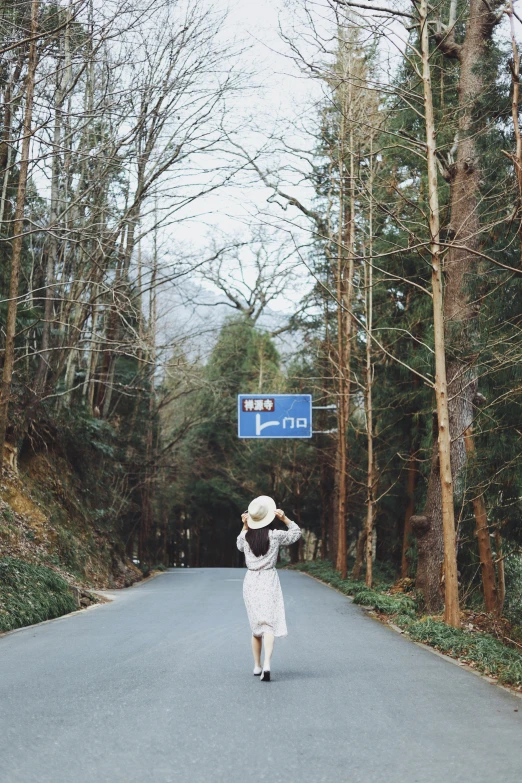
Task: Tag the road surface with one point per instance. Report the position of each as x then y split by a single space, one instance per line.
158 686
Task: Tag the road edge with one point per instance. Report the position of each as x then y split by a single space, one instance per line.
395 628
106 600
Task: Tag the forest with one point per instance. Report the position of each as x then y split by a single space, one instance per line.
377 267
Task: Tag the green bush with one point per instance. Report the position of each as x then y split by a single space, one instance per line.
31 593
387 604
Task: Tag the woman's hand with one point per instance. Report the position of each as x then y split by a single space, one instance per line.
280 514
244 518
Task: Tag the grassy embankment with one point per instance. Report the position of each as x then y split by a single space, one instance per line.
56 541
31 593
480 650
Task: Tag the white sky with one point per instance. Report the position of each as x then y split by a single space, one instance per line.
282 95
279 93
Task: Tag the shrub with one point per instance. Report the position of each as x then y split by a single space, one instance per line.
31 593
387 604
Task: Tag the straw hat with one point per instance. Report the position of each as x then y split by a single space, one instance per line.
261 512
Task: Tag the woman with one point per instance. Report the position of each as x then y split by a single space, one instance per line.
260 541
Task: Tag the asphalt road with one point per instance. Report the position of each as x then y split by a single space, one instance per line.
158 686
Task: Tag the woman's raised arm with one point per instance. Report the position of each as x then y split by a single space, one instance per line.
290 536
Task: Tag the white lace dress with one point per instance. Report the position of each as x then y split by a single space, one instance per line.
261 588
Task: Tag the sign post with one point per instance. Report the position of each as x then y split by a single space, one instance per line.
274 415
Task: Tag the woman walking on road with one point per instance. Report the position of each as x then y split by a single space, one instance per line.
260 541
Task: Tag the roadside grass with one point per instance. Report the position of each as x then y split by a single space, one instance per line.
479 650
31 593
324 570
147 570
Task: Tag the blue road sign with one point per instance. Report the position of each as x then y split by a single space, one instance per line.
274 415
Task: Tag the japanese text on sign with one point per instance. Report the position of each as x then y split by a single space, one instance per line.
265 404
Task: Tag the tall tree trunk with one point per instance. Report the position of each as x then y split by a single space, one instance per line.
359 552
364 549
487 566
501 571
326 507
346 271
441 479
343 397
92 360
371 479
411 483
515 98
459 313
18 227
149 474
6 147
105 381
53 250
411 480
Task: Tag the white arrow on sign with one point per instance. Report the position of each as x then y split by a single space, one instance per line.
260 427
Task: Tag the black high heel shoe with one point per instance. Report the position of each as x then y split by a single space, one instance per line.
265 676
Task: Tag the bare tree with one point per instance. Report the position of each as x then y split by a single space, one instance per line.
254 273
18 228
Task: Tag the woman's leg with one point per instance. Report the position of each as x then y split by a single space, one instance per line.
257 641
269 648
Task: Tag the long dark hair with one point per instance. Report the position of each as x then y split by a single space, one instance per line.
259 540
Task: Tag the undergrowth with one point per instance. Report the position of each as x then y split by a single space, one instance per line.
31 593
480 650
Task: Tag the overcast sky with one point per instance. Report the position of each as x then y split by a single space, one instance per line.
278 94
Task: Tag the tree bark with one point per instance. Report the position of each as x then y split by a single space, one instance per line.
411 481
443 467
18 227
487 566
501 571
365 541
147 515
6 147
343 405
427 528
345 293
371 477
52 253
515 98
359 553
